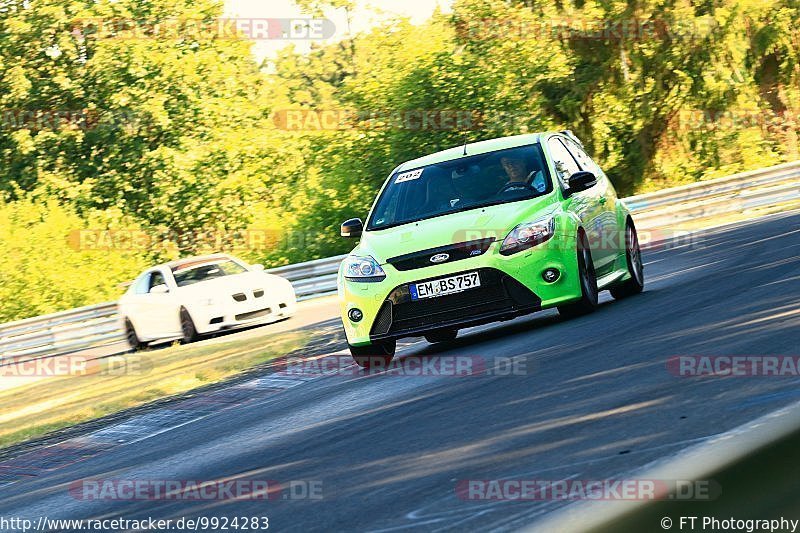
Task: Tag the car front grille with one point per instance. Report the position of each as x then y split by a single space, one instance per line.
244 296
447 254
253 314
498 294
383 322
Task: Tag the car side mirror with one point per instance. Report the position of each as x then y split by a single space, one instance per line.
258 267
159 289
580 181
352 228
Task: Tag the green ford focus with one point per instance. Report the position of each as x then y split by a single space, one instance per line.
480 233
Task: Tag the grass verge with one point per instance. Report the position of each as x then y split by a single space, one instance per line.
107 386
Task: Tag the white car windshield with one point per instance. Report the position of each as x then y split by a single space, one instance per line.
187 275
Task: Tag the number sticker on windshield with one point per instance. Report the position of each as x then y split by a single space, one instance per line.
408 176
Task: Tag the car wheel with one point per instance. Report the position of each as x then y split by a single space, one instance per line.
633 255
132 338
187 327
588 280
375 355
441 335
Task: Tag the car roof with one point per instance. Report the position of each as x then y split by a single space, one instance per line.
480 147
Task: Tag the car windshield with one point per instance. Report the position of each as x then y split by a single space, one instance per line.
187 275
461 184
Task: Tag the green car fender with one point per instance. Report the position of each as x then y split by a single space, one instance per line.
559 252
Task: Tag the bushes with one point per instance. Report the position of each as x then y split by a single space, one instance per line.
43 268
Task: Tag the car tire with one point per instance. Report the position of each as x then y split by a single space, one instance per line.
633 257
588 281
441 335
187 327
132 338
375 355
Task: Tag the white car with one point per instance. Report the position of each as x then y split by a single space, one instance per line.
199 295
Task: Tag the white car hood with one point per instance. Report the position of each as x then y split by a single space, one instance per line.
246 281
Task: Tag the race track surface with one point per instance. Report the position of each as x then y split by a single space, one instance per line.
591 398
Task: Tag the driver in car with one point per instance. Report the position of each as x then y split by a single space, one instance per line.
518 176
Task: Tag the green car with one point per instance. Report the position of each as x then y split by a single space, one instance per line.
484 232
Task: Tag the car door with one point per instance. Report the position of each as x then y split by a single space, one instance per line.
606 225
131 305
165 306
585 204
156 311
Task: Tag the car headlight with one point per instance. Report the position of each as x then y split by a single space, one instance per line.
527 235
364 269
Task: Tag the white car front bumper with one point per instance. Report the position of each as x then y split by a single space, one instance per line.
209 319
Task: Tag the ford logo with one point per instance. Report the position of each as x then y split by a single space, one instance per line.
440 258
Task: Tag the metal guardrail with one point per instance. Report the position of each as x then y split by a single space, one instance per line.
61 333
97 325
727 195
313 278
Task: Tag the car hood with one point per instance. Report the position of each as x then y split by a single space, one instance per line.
487 222
234 283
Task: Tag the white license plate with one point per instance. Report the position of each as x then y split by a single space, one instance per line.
440 287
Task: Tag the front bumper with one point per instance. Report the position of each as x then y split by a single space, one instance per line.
211 320
500 296
510 286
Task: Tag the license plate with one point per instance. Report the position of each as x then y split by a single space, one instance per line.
440 287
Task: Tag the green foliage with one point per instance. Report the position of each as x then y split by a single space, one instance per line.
44 267
176 137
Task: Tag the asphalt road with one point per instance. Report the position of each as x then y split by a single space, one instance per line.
591 398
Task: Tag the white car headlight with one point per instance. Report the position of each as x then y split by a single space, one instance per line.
364 269
527 235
